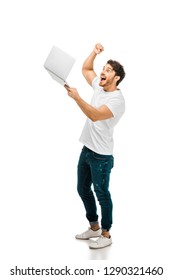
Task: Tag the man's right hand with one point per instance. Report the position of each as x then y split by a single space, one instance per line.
98 48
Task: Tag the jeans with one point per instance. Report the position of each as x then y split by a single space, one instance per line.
95 169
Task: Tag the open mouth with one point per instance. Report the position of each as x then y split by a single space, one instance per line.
102 79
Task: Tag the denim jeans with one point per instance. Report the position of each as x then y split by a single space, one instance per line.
95 169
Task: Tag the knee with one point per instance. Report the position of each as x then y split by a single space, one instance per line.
104 198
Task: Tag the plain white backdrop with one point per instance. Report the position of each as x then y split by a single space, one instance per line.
40 127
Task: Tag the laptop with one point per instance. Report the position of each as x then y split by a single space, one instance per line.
59 64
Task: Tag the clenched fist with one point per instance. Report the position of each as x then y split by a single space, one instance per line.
98 48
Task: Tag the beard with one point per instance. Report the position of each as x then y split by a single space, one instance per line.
106 82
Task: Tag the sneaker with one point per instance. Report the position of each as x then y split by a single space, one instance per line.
89 234
101 242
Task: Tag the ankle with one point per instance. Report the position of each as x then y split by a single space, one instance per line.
106 234
95 227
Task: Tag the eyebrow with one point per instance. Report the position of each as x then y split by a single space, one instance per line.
108 68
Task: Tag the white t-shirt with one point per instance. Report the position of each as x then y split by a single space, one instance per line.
98 136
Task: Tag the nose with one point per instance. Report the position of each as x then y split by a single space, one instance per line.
103 71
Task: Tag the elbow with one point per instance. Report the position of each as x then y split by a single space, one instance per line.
84 68
94 119
84 71
95 116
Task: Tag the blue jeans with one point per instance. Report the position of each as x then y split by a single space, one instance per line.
95 169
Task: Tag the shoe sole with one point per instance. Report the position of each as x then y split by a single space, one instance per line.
81 238
100 247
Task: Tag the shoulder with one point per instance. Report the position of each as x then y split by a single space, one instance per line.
95 83
116 102
117 95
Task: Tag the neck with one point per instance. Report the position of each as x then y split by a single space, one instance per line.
110 88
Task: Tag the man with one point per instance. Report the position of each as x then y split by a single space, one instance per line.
96 159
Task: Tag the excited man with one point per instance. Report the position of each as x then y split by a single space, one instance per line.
96 158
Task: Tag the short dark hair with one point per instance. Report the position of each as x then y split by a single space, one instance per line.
118 68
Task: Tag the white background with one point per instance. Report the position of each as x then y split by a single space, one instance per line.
40 127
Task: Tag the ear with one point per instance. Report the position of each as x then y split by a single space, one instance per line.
116 78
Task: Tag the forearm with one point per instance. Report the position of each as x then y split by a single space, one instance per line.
88 110
94 114
91 112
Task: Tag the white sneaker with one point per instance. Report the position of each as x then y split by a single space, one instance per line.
101 242
89 234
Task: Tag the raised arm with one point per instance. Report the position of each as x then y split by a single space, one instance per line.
88 65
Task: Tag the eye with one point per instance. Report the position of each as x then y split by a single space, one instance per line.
107 70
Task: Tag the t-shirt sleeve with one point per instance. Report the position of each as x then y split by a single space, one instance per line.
116 105
95 83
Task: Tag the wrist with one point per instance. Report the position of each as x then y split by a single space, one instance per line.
94 52
77 98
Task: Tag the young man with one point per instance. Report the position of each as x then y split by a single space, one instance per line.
96 159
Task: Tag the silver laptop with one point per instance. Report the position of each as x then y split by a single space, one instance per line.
59 64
